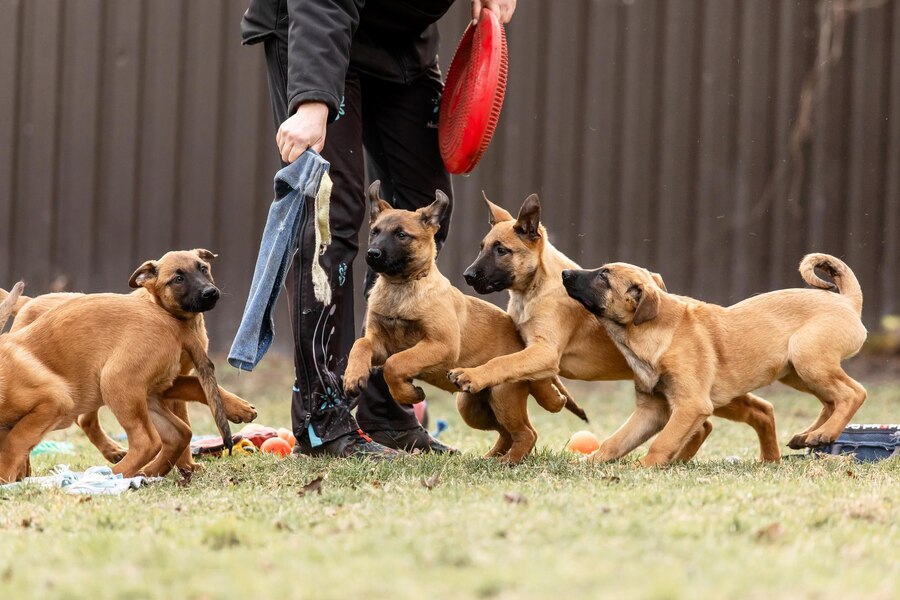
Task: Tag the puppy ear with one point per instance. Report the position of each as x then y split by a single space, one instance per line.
145 274
205 254
431 214
529 221
658 280
376 204
496 214
648 306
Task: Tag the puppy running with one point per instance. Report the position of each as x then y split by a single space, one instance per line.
118 350
701 355
560 336
187 300
418 326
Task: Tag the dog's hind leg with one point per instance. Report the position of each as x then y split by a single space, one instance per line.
174 434
179 409
758 414
509 402
476 412
25 435
834 388
798 441
650 415
90 425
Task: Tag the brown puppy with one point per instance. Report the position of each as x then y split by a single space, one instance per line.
122 351
418 326
186 387
560 336
701 355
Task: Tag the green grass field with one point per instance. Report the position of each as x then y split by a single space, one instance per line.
722 526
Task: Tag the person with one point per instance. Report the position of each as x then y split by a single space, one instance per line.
365 74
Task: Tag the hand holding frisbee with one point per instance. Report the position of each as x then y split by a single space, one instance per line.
473 94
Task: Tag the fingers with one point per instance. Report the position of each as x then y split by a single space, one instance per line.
504 9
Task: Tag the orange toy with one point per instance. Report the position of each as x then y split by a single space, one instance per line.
276 445
583 442
287 436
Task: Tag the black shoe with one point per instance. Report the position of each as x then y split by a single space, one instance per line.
355 444
411 439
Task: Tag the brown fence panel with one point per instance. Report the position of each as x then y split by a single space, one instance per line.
655 132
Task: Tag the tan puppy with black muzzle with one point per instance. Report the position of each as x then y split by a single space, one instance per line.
419 326
560 336
118 350
700 356
184 301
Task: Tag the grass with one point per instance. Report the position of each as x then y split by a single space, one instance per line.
722 526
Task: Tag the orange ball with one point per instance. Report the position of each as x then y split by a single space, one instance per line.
287 436
583 442
276 445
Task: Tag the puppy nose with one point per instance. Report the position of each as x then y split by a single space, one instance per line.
471 276
568 275
210 293
374 253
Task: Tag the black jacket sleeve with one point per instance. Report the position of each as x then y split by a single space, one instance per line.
319 37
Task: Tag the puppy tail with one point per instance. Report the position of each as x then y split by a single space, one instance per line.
571 405
17 304
845 282
206 373
10 303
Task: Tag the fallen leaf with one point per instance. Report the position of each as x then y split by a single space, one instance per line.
432 481
313 486
852 475
84 499
234 480
26 522
515 498
187 478
770 533
377 484
611 478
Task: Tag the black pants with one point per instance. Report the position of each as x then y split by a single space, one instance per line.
397 125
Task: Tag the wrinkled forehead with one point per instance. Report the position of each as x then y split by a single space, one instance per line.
393 219
501 231
182 260
627 273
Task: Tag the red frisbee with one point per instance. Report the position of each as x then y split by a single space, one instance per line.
473 94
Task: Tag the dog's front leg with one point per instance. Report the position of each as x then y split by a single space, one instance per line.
359 366
401 368
687 419
537 361
650 415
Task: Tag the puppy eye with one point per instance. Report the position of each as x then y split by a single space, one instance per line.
636 292
604 274
204 269
501 251
179 279
402 235
375 231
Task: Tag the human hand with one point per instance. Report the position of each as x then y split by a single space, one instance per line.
504 9
303 129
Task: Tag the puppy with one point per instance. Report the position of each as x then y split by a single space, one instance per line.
418 326
560 336
184 301
701 355
122 351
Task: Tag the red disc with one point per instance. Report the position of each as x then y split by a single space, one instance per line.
473 94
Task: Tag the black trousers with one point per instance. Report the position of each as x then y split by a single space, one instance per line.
396 124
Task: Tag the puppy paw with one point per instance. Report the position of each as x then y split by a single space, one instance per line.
816 439
798 442
465 380
409 394
355 384
240 412
114 455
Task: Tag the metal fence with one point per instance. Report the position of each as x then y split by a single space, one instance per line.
696 137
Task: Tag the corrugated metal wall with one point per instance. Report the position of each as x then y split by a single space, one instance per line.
656 132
